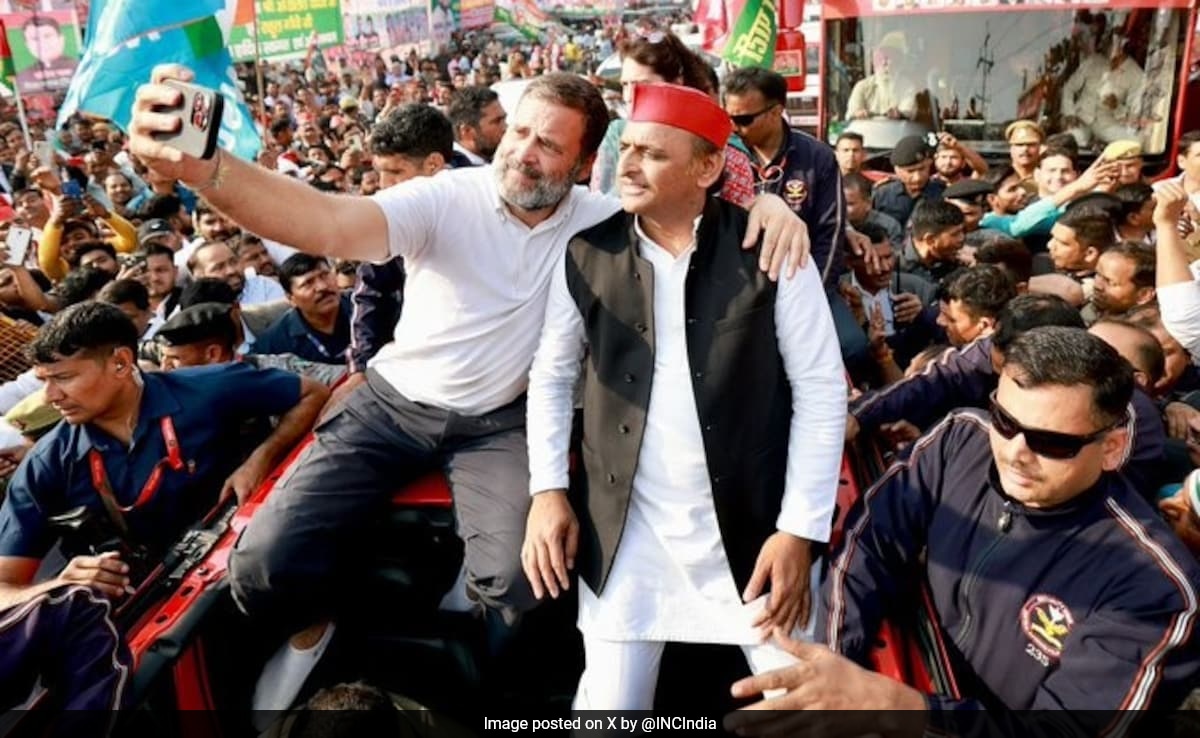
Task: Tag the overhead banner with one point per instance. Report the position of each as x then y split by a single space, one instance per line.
475 13
286 28
45 49
384 26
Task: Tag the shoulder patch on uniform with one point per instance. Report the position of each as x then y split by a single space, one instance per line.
1047 621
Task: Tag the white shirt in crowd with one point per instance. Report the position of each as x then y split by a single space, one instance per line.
883 299
475 287
670 579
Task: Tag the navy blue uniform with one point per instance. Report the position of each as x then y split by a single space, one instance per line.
892 199
378 297
806 175
207 406
965 377
292 334
1086 606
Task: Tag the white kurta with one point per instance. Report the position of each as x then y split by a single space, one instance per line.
670 579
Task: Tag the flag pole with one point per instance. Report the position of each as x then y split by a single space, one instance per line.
258 77
21 114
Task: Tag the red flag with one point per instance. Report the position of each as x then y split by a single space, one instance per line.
6 61
715 18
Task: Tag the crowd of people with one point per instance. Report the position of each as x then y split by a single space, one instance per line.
723 304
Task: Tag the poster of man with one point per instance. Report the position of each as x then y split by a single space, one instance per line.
45 48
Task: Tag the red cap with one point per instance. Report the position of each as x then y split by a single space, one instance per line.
681 107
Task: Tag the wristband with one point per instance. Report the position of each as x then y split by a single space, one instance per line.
218 175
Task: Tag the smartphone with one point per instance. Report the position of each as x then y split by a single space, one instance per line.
44 153
72 190
199 120
18 242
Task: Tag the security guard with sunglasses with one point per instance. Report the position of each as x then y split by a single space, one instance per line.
1052 585
966 376
145 455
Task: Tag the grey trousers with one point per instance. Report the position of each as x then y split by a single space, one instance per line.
299 549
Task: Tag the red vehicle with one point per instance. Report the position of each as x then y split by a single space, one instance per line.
193 669
1100 69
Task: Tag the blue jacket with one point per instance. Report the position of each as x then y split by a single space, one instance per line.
965 377
806 175
1089 606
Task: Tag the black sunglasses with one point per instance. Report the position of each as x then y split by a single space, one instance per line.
1051 444
745 119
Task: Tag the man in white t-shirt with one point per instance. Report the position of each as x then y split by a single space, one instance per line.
479 246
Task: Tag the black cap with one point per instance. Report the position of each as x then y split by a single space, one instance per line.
204 321
151 228
970 190
910 150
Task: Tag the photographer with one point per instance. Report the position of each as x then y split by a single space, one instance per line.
75 208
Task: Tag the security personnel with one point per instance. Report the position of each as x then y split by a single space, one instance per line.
204 334
965 377
1025 139
969 196
148 453
912 161
1053 584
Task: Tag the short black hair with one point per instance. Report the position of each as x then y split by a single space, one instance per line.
296 266
1069 357
1026 312
1058 151
415 131
348 711
466 105
121 291
86 247
156 249
1133 197
771 85
1064 141
160 206
1149 350
1011 254
1143 258
934 217
996 175
279 125
874 232
849 136
89 328
207 290
1188 140
82 284
983 289
855 181
1092 229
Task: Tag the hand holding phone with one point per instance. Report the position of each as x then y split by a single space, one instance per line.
199 115
18 243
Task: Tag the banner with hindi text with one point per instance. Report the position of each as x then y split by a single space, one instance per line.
286 28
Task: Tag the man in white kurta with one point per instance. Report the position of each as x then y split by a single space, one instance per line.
670 579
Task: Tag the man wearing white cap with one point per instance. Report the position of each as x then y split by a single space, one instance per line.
714 415
885 92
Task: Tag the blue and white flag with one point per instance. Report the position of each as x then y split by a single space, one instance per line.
126 39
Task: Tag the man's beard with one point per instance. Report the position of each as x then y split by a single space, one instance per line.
545 192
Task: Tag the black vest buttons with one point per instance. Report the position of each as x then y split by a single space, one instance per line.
641 327
708 427
699 375
628 379
692 321
622 429
637 276
612 478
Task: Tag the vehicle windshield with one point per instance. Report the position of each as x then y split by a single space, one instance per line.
1099 74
